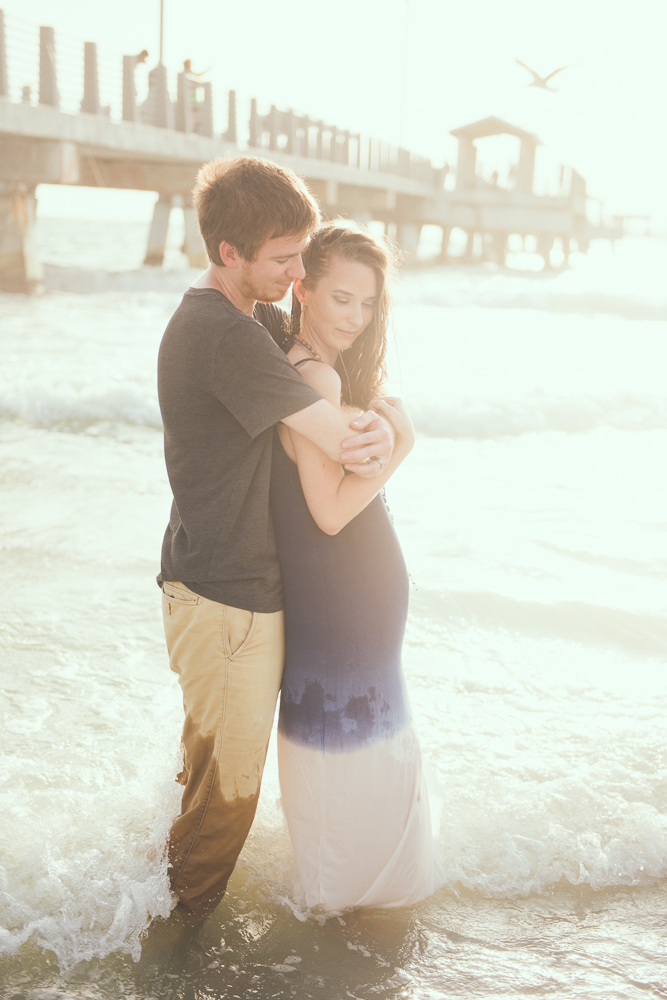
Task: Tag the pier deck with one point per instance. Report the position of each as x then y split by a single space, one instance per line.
159 145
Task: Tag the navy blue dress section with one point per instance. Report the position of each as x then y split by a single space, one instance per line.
346 599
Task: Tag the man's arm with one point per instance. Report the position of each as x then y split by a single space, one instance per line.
333 498
329 428
259 385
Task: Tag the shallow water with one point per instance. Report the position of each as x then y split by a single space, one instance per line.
532 516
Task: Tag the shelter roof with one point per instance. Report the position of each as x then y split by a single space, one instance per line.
492 126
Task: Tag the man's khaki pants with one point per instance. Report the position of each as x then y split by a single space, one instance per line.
230 665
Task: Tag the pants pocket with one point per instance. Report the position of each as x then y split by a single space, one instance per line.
177 593
237 628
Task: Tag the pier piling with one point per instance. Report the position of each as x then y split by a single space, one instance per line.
20 266
157 234
193 244
4 79
158 145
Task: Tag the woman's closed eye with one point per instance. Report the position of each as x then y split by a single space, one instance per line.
364 305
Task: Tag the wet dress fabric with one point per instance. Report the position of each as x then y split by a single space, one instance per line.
359 801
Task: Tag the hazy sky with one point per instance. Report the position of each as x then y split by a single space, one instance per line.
410 70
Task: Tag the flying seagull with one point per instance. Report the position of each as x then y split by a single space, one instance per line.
541 81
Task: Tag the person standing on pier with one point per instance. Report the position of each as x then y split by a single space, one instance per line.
223 385
194 83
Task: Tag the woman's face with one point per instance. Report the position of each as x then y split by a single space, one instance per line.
341 305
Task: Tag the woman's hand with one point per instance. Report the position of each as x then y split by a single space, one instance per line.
371 449
393 409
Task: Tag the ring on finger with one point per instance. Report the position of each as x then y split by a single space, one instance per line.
379 461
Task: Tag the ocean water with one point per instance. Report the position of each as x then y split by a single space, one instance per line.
532 513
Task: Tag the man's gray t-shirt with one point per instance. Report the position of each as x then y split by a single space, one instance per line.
223 383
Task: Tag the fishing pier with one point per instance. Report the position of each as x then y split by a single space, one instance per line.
157 144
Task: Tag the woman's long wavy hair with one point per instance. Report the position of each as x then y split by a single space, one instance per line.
362 366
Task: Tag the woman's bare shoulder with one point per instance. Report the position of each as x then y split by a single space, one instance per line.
320 375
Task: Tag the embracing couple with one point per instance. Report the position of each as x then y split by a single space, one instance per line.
281 571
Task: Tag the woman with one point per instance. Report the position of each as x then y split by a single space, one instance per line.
352 779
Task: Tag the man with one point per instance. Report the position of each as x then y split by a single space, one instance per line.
130 64
223 385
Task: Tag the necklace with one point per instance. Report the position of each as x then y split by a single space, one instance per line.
298 339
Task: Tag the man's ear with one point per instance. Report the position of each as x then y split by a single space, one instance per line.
229 255
299 289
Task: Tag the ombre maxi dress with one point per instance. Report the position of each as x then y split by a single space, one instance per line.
361 806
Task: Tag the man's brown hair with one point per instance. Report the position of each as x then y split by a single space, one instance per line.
247 201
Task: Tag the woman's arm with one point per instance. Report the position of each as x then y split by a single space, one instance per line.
345 435
332 497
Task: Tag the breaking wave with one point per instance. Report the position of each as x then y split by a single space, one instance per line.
72 407
485 419
76 407
505 292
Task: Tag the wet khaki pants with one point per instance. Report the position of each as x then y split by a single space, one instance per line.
230 664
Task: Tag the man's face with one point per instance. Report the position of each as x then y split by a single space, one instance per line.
277 265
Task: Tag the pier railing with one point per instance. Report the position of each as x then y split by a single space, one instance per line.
38 67
303 136
115 123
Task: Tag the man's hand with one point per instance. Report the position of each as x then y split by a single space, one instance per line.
374 438
394 410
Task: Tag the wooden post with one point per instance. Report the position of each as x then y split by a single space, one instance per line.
4 80
565 240
319 148
331 193
408 240
91 85
130 113
545 242
20 266
231 135
466 164
346 148
273 128
289 131
48 83
157 235
443 256
333 145
204 123
526 169
254 137
193 244
183 116
578 195
499 247
304 124
157 109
